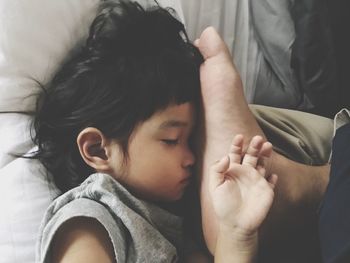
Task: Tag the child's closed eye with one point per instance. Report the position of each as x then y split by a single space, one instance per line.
170 142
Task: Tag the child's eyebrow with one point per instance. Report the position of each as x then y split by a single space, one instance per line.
172 124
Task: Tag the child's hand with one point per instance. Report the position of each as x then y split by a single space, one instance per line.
241 191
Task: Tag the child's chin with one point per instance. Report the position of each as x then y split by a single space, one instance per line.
179 196
174 198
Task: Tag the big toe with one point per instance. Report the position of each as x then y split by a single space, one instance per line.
211 44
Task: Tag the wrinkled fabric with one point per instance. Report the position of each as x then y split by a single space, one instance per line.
298 67
313 55
277 84
139 231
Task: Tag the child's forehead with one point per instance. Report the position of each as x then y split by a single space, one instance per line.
183 111
174 116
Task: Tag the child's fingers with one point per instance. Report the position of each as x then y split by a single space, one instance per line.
217 176
272 180
261 170
222 165
266 150
252 155
235 152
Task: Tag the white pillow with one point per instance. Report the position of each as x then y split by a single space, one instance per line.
35 37
26 193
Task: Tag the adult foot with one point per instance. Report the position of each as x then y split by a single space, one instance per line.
226 111
226 114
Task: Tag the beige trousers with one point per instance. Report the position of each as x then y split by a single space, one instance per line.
300 136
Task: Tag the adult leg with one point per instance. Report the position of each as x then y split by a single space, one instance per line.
302 137
305 138
226 113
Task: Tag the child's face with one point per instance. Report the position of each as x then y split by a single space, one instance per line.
160 160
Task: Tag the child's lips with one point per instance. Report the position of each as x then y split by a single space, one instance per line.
186 180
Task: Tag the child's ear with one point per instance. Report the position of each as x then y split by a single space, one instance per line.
94 149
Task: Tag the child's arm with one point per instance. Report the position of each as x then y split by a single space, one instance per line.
241 196
82 240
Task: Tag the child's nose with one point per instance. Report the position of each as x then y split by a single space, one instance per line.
189 159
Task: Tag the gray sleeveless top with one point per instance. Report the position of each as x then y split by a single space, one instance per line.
139 231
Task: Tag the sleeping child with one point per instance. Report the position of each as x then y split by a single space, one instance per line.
114 128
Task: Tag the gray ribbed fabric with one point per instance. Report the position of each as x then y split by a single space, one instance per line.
139 231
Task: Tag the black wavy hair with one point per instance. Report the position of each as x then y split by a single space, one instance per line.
135 62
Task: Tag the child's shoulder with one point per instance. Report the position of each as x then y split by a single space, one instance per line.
77 234
81 209
129 221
